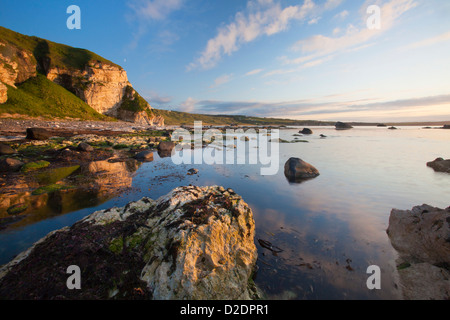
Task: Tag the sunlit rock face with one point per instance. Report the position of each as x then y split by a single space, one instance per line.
194 243
107 176
422 238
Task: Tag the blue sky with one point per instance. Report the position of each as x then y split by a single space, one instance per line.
305 59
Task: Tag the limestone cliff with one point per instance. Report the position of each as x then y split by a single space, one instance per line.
100 83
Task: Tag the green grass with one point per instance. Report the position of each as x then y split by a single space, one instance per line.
137 104
183 118
59 55
40 97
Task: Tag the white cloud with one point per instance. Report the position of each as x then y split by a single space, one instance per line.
430 41
155 9
254 72
222 80
261 17
342 15
188 105
321 45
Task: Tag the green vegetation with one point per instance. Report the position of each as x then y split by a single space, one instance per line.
32 166
135 104
54 175
116 245
39 97
49 189
17 208
183 118
59 55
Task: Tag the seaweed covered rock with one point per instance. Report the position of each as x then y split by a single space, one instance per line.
421 236
194 243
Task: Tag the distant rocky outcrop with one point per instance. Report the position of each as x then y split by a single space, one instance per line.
297 170
342 126
100 83
422 238
446 126
440 165
194 243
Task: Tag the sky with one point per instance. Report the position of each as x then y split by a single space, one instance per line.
305 59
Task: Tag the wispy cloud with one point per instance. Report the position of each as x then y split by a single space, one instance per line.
320 109
254 72
321 45
145 12
188 105
261 18
154 9
444 37
221 80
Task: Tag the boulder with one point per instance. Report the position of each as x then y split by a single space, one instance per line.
144 156
297 170
192 244
393 128
10 165
446 126
6 150
38 134
166 146
306 131
192 171
422 238
84 147
342 126
440 165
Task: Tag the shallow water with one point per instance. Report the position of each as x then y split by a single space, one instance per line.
330 228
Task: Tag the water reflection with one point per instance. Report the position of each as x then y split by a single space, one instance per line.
330 229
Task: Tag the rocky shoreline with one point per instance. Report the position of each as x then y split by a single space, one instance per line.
194 243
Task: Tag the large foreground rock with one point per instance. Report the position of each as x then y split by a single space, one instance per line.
194 243
422 238
38 134
297 170
440 165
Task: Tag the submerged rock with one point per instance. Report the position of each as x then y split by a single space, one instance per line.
422 238
440 165
145 156
194 243
297 170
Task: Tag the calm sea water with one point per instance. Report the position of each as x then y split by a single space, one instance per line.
329 229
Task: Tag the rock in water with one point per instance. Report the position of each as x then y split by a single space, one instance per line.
440 165
297 170
306 131
422 238
194 243
38 134
144 156
166 146
342 126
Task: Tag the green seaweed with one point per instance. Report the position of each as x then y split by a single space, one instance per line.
50 189
33 166
54 175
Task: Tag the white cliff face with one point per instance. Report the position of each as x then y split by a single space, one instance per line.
101 86
16 65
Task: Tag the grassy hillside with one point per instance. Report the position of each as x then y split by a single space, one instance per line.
59 55
183 118
39 97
